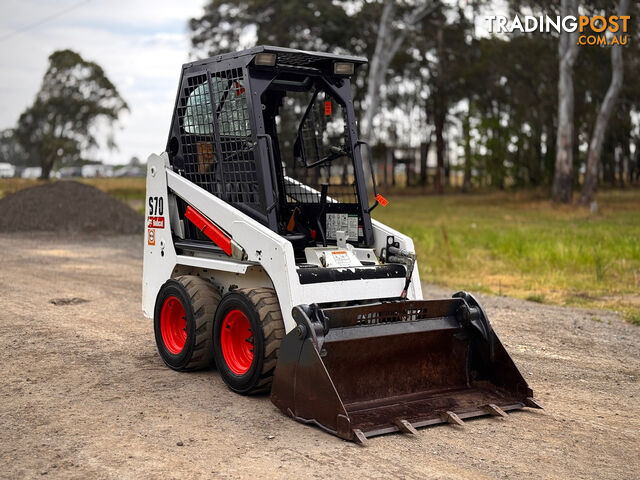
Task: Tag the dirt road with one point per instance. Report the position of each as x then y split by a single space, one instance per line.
83 393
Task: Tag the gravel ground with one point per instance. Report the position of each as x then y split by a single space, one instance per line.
67 206
83 393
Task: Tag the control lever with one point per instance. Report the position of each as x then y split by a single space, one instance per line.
323 204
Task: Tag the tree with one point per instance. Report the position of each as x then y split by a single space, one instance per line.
522 105
392 34
310 25
604 114
562 190
11 151
338 27
75 99
445 53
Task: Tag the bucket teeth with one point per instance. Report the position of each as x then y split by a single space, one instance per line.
493 409
360 437
405 426
452 418
366 370
532 403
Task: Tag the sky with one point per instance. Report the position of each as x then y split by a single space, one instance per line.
141 45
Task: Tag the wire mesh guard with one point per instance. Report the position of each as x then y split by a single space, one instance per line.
323 128
226 136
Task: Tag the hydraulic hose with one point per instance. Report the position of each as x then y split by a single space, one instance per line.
406 258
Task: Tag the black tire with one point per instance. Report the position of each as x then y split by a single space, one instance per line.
200 299
261 308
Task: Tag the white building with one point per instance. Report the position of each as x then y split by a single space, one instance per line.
7 170
32 172
97 170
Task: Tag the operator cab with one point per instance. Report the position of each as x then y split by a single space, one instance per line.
272 131
318 194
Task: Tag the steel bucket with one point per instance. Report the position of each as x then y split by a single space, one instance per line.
363 371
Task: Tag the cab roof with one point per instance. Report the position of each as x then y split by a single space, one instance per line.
285 57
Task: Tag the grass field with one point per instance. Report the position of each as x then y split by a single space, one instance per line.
514 244
523 246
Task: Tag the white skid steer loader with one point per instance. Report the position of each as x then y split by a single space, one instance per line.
261 255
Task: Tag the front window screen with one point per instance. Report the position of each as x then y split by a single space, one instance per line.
317 120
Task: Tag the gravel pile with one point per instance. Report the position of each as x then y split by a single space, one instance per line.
67 206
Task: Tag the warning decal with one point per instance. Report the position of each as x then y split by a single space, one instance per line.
342 221
341 258
151 236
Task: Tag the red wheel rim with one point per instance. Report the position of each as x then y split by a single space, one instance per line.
236 340
173 325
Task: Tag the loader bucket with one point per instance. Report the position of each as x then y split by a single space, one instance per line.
363 371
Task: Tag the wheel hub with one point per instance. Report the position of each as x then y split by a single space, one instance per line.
236 340
173 325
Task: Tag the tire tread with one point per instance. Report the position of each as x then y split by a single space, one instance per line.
265 302
204 298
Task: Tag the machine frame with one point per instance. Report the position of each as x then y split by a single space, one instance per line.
267 260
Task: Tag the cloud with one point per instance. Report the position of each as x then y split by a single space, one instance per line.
140 44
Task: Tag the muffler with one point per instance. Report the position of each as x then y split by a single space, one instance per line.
362 371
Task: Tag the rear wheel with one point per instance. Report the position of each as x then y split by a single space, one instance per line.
246 336
183 322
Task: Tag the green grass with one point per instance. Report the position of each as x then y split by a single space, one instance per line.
514 244
535 297
129 190
634 317
523 246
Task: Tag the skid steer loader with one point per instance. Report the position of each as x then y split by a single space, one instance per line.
261 256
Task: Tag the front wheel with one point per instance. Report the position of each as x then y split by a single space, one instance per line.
247 333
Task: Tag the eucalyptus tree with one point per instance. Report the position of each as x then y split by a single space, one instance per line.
590 184
75 103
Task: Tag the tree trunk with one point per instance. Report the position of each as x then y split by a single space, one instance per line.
535 173
590 185
388 43
345 173
466 133
562 189
377 71
46 164
550 153
392 157
622 161
385 163
439 119
634 168
424 155
447 166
